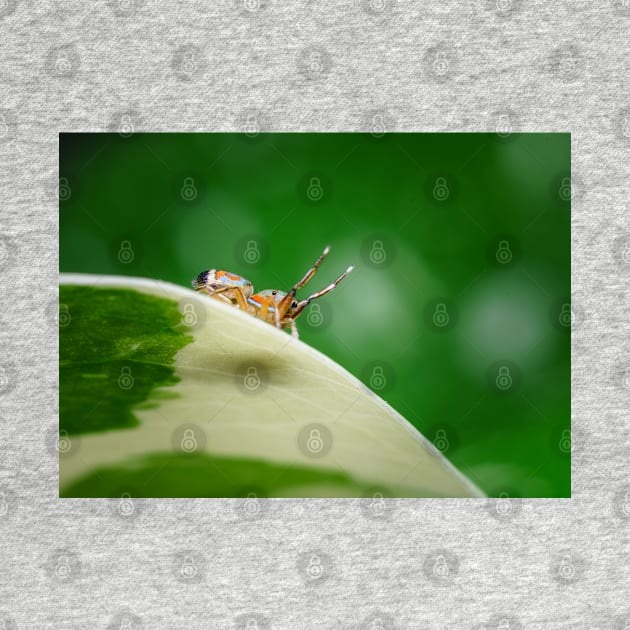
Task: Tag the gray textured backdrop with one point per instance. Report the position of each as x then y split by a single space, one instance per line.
78 66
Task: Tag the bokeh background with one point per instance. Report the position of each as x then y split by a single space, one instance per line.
458 312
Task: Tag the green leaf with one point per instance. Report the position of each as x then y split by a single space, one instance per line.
166 392
105 348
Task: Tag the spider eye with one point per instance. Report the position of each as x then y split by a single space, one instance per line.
274 292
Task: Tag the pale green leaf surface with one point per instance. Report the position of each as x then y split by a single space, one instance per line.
372 444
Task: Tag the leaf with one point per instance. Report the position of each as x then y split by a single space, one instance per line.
167 392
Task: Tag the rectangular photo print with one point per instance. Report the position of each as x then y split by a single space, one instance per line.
257 315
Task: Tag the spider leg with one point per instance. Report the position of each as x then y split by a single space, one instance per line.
263 310
311 272
222 298
204 290
240 299
302 304
223 295
294 330
283 306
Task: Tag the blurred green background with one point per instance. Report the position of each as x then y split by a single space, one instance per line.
458 312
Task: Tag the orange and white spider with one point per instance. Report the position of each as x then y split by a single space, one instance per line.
276 307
